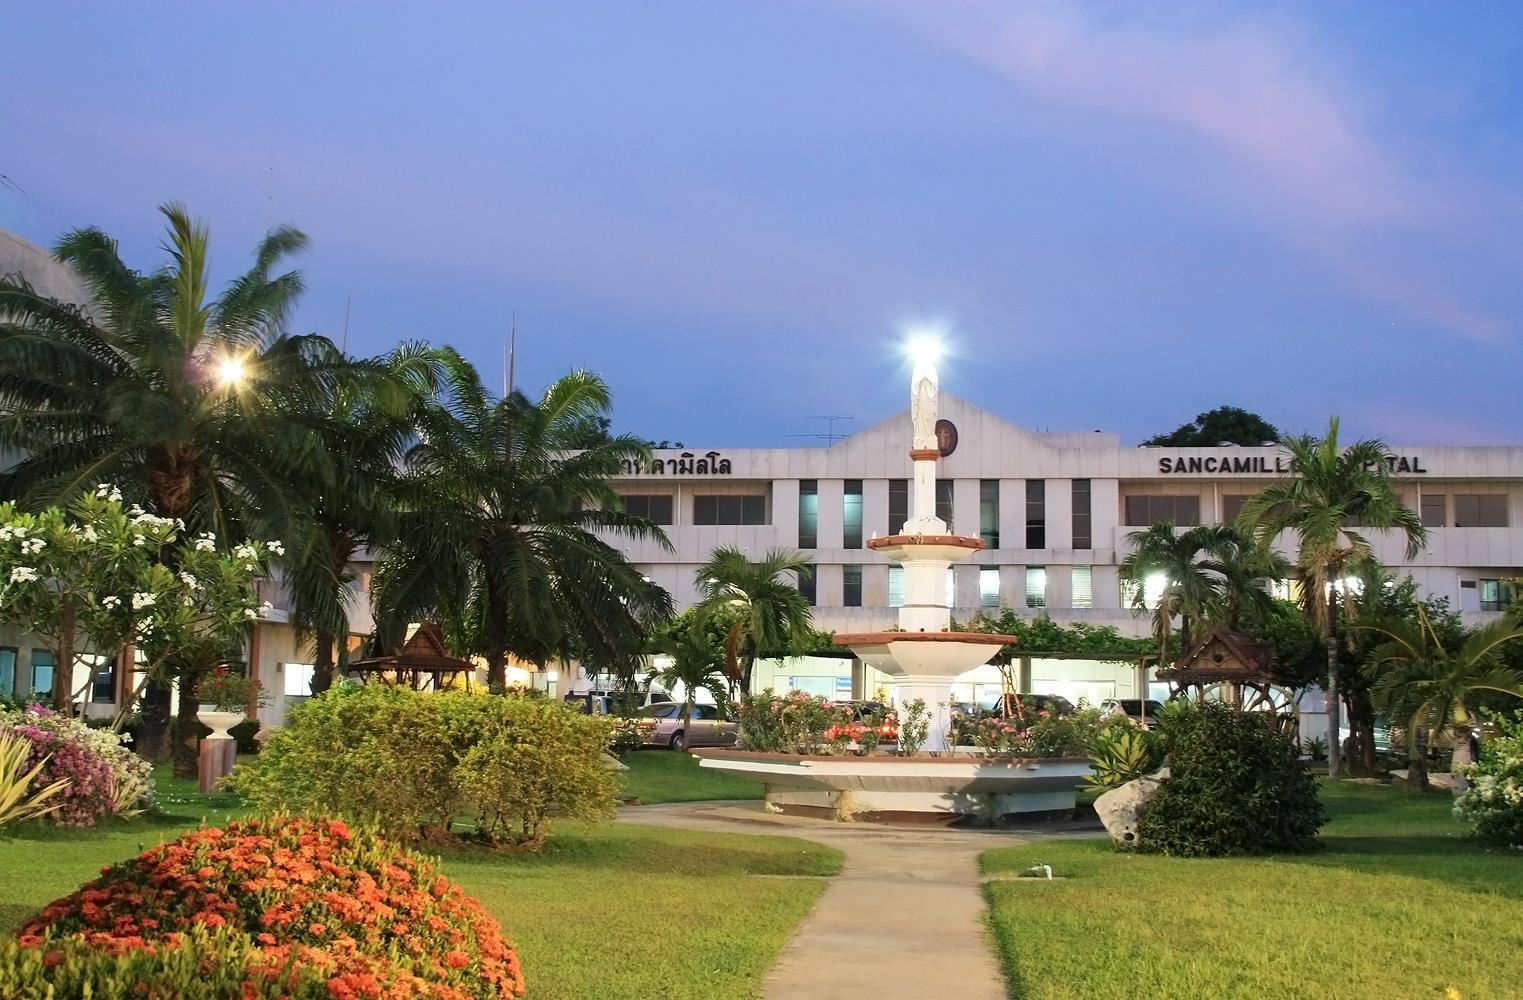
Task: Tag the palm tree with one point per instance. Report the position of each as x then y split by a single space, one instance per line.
192 406
695 662
1331 492
369 427
1430 685
1196 566
772 615
502 533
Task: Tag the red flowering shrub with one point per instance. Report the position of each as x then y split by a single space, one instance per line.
373 919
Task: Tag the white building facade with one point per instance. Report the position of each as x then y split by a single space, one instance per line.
1054 512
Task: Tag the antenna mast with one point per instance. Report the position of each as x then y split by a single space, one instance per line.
829 436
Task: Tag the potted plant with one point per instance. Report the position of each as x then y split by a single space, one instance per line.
225 697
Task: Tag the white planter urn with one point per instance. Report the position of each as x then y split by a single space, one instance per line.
219 722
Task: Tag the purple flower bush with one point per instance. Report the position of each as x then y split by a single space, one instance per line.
104 777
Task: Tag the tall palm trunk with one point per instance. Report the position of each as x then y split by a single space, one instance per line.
1459 782
1417 766
1334 708
322 659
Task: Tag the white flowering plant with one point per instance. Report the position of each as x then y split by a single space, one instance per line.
1493 805
62 571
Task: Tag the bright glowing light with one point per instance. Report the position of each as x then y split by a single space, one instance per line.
230 371
924 349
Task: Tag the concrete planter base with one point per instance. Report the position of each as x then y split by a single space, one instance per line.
918 789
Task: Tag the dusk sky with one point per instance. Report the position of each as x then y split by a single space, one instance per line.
1119 214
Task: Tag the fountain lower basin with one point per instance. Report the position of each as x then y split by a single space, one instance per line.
909 789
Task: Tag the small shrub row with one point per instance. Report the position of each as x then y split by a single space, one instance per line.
280 907
1038 734
413 763
102 777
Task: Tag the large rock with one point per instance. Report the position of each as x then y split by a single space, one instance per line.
1123 807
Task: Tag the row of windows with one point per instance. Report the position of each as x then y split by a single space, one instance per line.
988 586
43 667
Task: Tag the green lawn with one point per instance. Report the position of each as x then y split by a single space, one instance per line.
663 776
613 911
1399 905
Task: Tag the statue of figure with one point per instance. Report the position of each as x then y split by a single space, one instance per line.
923 408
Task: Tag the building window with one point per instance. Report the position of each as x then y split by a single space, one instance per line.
42 671
1480 510
945 490
103 678
1432 507
729 509
898 504
851 586
896 586
1036 586
298 679
1083 538
7 670
851 515
988 512
1496 595
654 507
809 513
1083 587
1232 506
1036 516
1142 511
988 587
807 579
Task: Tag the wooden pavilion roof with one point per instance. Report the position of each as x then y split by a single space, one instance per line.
423 653
1224 655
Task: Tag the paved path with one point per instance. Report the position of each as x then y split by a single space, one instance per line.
905 918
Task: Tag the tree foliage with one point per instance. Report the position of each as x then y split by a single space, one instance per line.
761 601
1223 425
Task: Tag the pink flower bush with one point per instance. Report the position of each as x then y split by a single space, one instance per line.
103 775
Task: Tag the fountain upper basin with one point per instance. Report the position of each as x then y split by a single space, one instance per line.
929 548
925 654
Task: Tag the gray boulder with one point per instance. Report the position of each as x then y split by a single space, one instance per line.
1123 807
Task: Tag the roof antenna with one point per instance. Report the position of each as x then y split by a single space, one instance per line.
510 358
830 436
344 345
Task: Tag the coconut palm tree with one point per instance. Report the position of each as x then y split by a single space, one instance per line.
502 535
193 405
695 662
370 424
1331 493
1196 566
773 616
1430 685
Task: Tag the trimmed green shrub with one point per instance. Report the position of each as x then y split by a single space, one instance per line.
1123 751
532 760
413 762
1236 786
294 900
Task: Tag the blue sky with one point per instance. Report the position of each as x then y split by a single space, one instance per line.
1120 214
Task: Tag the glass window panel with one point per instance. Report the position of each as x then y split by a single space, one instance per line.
1036 514
42 671
898 504
102 680
1083 587
851 515
1432 507
1036 586
7 670
753 510
705 510
988 587
809 513
1480 510
1082 524
807 580
988 512
895 586
851 586
1187 511
1232 506
1491 595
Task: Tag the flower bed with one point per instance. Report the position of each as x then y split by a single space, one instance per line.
302 898
104 778
1493 805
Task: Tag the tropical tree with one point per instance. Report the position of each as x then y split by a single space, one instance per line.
503 532
368 427
1331 494
1223 425
696 662
1209 573
769 613
1431 685
196 407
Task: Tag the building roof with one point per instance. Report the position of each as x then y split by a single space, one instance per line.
423 653
38 268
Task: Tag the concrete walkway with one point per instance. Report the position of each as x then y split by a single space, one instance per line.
905 918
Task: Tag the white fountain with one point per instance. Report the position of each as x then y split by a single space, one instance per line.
923 656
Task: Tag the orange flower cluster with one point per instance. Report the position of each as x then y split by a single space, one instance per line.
377 920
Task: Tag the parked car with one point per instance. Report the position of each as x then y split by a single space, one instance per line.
1136 709
663 726
609 701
